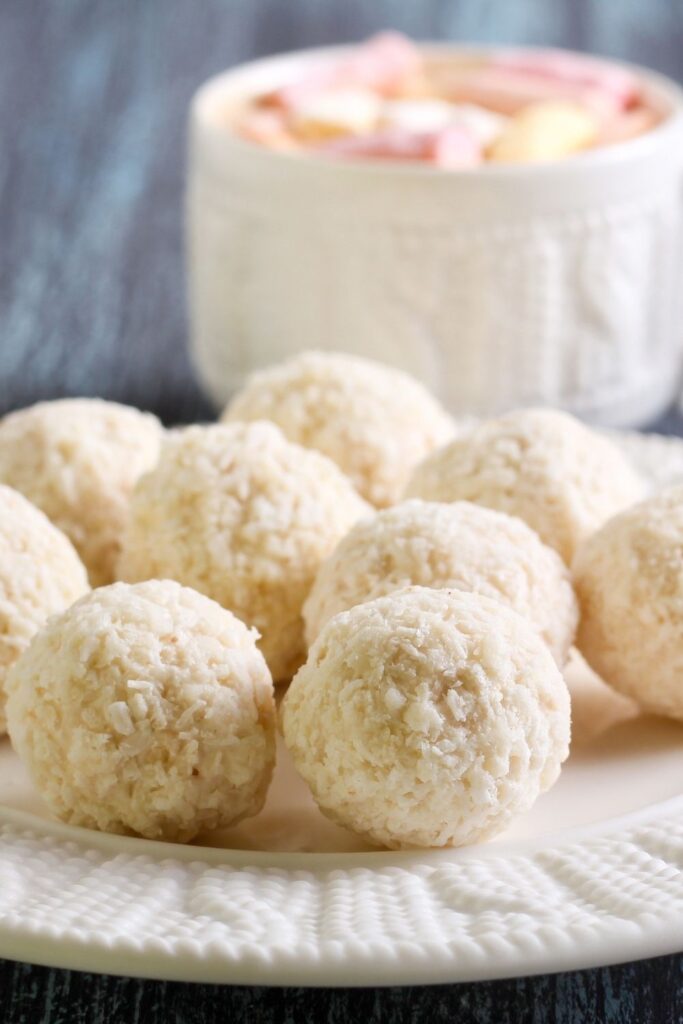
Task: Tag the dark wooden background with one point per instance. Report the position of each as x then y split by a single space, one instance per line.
93 95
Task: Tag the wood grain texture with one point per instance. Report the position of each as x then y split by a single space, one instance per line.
93 98
615 995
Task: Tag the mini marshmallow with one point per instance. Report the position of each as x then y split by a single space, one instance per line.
485 125
453 147
381 64
417 116
267 128
507 91
391 144
628 125
544 131
425 116
558 66
338 112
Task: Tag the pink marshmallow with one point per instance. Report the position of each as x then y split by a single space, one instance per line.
381 64
455 146
267 128
452 147
392 144
628 125
619 82
507 91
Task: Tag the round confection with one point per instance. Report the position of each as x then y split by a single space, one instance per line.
77 460
40 574
427 718
460 546
629 581
145 709
559 476
240 514
374 421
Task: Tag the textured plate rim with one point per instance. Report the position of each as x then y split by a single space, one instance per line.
606 892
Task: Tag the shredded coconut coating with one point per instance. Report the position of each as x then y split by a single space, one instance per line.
374 421
145 709
458 546
427 718
629 581
40 574
242 515
544 466
77 460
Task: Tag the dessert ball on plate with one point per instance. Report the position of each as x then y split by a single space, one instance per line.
146 709
560 477
427 718
40 574
460 546
240 514
375 422
77 460
629 581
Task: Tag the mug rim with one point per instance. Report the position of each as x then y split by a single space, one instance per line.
611 156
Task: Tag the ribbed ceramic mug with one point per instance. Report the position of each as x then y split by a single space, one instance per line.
509 285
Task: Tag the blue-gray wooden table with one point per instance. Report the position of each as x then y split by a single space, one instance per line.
93 95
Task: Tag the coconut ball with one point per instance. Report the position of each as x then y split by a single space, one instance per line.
77 460
145 709
241 514
40 574
374 421
544 466
427 718
460 546
629 581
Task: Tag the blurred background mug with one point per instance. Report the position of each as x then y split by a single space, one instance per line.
505 286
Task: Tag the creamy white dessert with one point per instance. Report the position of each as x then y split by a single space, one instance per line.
245 516
40 575
146 709
427 718
629 580
374 421
544 466
78 459
457 546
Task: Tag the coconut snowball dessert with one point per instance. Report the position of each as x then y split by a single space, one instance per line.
563 479
145 709
629 580
375 422
459 546
242 515
77 460
40 574
427 718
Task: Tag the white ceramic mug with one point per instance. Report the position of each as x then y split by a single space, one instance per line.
510 285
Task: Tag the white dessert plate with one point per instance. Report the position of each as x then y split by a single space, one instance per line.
592 875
